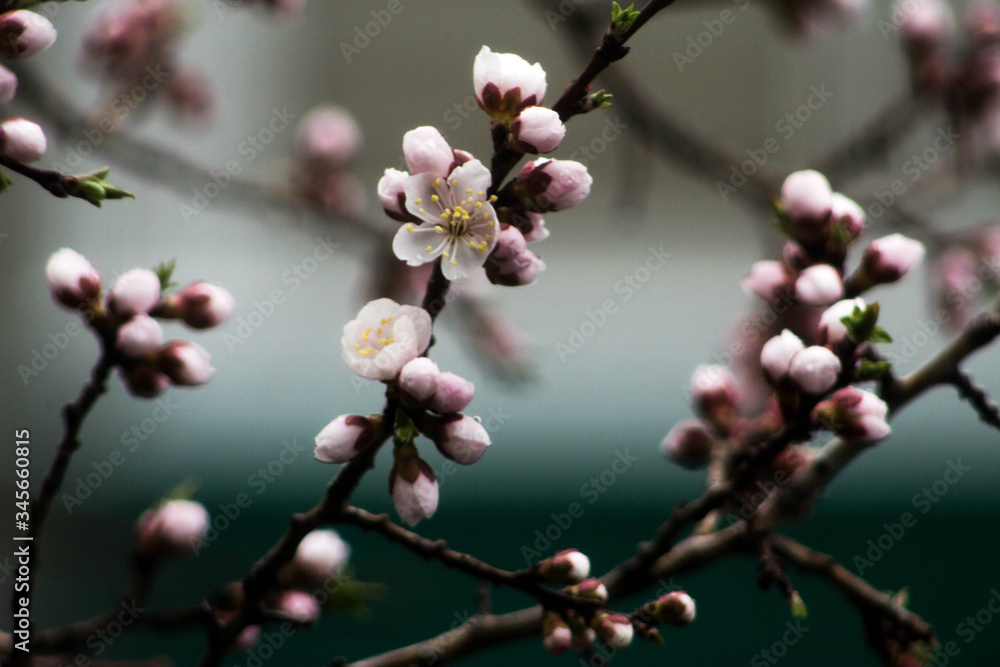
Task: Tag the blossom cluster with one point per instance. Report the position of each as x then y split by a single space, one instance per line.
448 202
127 320
22 34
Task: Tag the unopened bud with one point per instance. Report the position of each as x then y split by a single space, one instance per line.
458 437
173 528
135 292
814 369
24 34
556 635
22 141
203 305
715 394
343 438
74 282
777 353
453 394
688 444
538 130
412 485
185 363
592 589
566 567
615 630
321 554
675 608
139 337
819 285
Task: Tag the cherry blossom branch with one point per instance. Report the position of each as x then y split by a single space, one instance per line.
438 550
264 573
858 591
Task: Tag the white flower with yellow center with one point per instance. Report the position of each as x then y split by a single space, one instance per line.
460 224
383 338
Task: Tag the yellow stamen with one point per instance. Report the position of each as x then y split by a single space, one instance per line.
365 352
435 198
439 229
409 226
428 249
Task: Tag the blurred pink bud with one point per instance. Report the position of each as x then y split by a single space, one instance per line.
298 606
203 305
715 394
688 444
135 292
510 244
24 34
173 528
889 258
327 137
22 141
850 215
139 337
458 437
675 608
808 197
321 554
144 380
831 329
8 85
413 486
556 635
925 24
189 93
554 185
853 414
814 369
391 194
566 567
453 394
185 363
538 130
74 282
538 232
505 83
418 380
516 270
768 279
426 151
819 285
614 630
343 438
777 353
592 589
248 638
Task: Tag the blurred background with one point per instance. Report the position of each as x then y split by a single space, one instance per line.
620 391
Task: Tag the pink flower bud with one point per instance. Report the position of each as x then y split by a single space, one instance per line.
24 34
143 380
926 24
556 635
327 137
510 244
426 151
688 444
248 638
676 608
847 212
814 369
413 486
453 394
615 630
505 83
831 329
173 528
566 567
298 606
458 437
538 232
768 279
321 554
203 305
22 141
343 438
592 589
185 363
853 414
777 353
819 285
135 292
554 185
418 380
391 194
715 394
517 270
889 258
139 337
538 130
74 282
808 198
8 85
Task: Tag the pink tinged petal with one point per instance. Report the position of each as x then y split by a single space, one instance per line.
508 71
173 528
831 329
204 305
426 151
819 285
538 231
327 136
185 363
321 554
135 291
472 175
890 258
22 140
464 262
419 244
391 193
143 380
422 325
777 354
339 440
766 278
849 213
415 500
24 34
72 279
462 439
814 369
688 444
8 85
538 130
299 606
807 196
139 337
419 379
